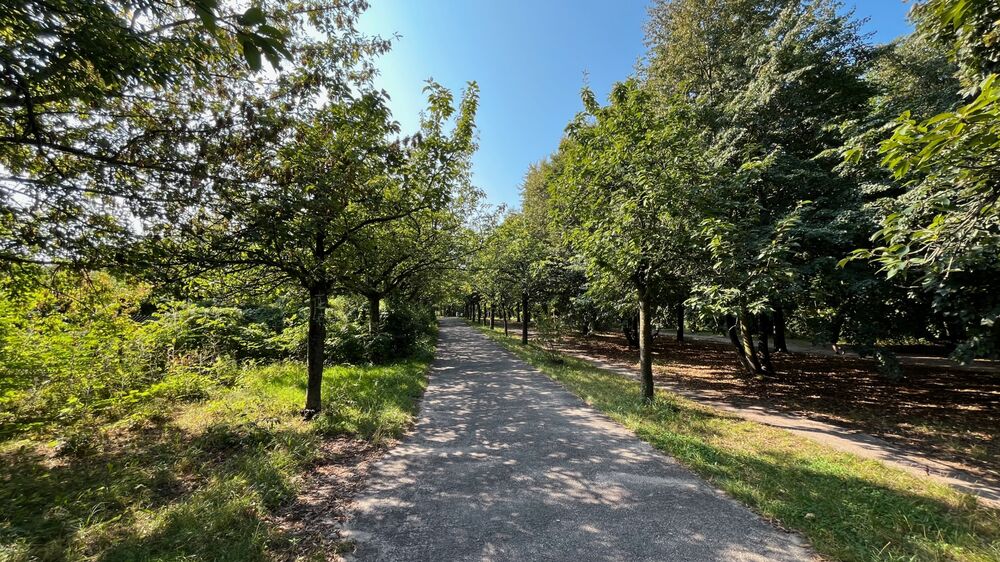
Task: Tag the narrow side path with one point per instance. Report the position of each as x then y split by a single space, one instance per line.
505 464
798 346
840 438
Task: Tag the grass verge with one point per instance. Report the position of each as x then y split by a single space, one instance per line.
849 508
199 481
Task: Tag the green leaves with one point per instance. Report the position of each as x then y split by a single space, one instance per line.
258 38
969 30
625 190
948 159
251 52
206 10
112 110
252 17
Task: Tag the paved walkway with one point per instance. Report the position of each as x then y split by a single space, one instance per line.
505 464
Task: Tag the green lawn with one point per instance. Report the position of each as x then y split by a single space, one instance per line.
848 507
199 481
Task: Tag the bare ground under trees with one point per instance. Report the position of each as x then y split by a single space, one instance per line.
946 413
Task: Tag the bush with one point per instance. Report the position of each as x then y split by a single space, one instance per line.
78 347
347 343
406 325
224 331
73 345
348 339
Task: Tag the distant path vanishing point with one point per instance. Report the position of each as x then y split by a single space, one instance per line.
505 464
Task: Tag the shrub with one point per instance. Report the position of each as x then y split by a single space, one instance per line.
406 324
242 334
346 343
76 347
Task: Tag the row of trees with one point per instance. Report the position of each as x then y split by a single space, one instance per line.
769 167
188 144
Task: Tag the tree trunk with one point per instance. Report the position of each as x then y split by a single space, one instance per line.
492 316
732 330
374 315
645 347
518 313
630 329
835 328
526 316
680 321
779 329
506 315
764 330
749 355
315 351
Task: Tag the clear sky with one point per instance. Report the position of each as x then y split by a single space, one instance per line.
530 59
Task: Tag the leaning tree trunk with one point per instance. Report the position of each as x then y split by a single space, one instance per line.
749 354
779 329
526 316
374 315
645 347
315 351
732 330
680 321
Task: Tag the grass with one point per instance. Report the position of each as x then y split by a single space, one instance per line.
200 481
944 413
849 508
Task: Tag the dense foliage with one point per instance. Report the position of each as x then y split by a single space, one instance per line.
148 141
739 181
80 348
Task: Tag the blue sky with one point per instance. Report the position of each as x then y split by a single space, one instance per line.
530 59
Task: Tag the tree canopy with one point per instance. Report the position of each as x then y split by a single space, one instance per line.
740 178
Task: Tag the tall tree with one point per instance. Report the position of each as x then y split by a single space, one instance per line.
627 196
768 81
943 231
321 169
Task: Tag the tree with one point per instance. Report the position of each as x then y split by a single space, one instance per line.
104 105
768 80
507 268
627 194
944 229
397 257
321 169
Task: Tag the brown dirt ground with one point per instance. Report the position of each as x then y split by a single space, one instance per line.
316 517
949 414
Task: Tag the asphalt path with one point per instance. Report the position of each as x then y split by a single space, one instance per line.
505 464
